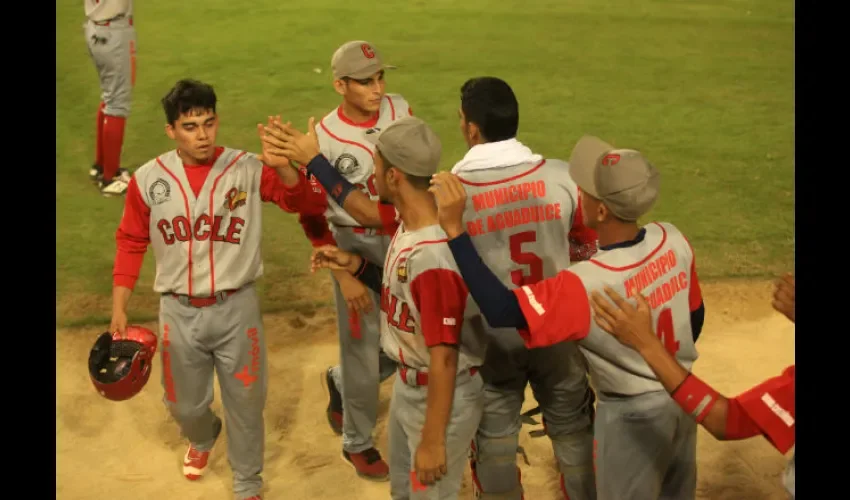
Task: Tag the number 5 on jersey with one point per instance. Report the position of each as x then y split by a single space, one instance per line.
524 258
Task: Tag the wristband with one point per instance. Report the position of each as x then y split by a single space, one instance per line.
334 183
361 268
695 397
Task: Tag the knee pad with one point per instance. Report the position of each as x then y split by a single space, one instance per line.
495 475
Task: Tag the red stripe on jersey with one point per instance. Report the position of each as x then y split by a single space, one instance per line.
371 122
695 292
212 211
392 108
440 297
642 262
509 179
345 141
188 215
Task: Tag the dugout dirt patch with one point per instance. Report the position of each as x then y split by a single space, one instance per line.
131 450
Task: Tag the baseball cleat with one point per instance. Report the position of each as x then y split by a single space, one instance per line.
334 409
195 462
368 464
96 173
116 187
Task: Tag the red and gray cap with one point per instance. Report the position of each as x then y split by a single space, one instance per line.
622 179
357 59
410 145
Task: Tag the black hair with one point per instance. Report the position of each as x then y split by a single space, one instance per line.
187 95
490 103
418 182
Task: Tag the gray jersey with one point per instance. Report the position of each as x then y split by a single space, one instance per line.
210 243
104 10
425 302
661 267
345 146
519 218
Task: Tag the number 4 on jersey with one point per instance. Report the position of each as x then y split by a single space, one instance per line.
664 330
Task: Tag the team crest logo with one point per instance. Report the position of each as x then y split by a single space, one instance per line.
610 160
159 192
235 199
401 272
346 164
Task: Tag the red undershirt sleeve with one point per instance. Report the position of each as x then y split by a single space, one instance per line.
556 310
769 407
440 296
132 238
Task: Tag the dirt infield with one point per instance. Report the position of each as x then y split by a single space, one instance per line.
132 451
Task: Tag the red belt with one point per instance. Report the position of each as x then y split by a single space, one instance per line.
204 301
422 377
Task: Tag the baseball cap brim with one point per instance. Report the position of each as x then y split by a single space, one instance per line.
367 72
583 160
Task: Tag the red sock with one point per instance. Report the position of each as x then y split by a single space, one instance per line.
113 139
98 152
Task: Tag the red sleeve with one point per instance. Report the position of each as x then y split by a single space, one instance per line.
316 229
440 297
389 216
770 406
132 238
695 293
582 239
556 310
303 198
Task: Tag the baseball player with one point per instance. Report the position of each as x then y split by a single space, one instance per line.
366 108
111 40
644 444
200 207
426 323
520 211
767 409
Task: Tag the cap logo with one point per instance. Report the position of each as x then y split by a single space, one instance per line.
367 51
610 160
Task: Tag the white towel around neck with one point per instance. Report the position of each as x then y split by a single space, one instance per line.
496 155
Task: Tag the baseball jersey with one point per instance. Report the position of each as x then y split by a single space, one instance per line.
204 222
771 407
343 144
660 264
520 219
104 10
425 302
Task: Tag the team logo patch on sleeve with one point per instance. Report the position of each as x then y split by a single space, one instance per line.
401 271
159 191
346 164
235 199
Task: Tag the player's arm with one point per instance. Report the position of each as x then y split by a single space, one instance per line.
695 302
301 196
440 296
583 240
364 210
545 313
132 239
744 416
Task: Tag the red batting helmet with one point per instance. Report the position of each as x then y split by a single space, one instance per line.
120 368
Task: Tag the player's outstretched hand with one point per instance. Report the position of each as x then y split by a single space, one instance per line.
355 293
631 325
430 461
118 326
331 257
271 154
451 202
288 141
783 296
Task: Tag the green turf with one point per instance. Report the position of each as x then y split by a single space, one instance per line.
705 89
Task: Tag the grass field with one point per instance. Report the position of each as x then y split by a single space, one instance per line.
705 89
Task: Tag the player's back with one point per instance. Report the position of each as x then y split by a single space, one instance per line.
660 265
519 218
421 278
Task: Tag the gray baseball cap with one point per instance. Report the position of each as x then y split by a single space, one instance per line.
623 179
357 59
410 145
